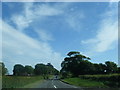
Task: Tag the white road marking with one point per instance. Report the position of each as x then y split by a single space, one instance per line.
55 86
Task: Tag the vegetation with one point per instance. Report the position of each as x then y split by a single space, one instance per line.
111 80
78 70
40 69
108 80
18 70
83 82
29 70
26 75
3 69
19 81
77 64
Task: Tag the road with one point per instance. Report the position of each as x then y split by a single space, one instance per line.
54 84
51 83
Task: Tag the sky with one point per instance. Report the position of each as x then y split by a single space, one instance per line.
44 32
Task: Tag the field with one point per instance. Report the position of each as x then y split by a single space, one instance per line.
111 80
19 81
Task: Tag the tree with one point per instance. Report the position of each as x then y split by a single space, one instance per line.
49 65
3 69
111 67
118 71
56 72
85 67
40 69
102 68
76 63
0 68
29 70
18 70
73 53
99 68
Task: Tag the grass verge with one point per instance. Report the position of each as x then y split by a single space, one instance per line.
110 80
19 81
83 82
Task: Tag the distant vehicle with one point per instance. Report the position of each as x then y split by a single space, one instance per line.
56 77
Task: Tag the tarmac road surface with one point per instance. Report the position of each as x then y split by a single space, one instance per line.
53 83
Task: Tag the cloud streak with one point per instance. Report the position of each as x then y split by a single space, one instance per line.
107 34
74 19
44 36
32 12
20 48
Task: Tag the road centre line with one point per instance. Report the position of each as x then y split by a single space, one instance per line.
55 86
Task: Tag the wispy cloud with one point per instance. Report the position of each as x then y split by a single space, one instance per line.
0 42
32 12
20 48
43 35
107 34
74 19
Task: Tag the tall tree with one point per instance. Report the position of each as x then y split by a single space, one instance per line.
72 53
40 69
3 69
111 67
29 70
118 70
50 65
19 70
75 63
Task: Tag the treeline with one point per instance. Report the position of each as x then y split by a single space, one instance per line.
27 70
40 69
76 64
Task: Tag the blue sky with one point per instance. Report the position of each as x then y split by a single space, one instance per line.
43 32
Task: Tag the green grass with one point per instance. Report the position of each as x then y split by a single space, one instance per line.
0 82
33 85
101 75
19 81
105 80
83 82
110 80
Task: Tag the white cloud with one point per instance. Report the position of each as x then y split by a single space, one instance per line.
74 20
21 21
43 35
20 48
0 42
107 34
47 10
32 12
